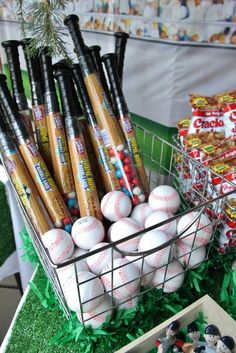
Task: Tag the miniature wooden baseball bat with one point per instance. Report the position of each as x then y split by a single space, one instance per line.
112 134
123 115
87 195
62 170
12 54
23 182
106 168
38 106
37 168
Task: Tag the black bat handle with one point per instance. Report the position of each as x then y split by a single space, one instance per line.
120 47
34 71
12 54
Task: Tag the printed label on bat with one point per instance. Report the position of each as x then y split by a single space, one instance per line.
58 121
103 159
79 146
32 148
85 175
10 165
42 137
22 190
61 145
44 177
133 147
127 125
38 113
105 138
97 132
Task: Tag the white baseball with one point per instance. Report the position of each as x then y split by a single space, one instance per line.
127 303
115 205
99 315
123 228
141 212
81 265
164 198
161 216
169 278
109 232
87 295
87 231
98 261
199 232
191 258
59 244
123 275
146 272
64 273
152 240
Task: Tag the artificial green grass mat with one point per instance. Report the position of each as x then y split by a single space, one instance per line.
7 243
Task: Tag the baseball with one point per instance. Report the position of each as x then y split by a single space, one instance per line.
141 212
151 240
99 315
169 278
81 265
128 302
98 261
123 228
115 205
87 295
109 232
191 258
123 275
87 231
64 273
59 245
146 272
164 198
160 216
199 230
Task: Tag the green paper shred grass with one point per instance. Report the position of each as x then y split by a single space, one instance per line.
7 243
30 254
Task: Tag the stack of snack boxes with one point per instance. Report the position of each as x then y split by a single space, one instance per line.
209 137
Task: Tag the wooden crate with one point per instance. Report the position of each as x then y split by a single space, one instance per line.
213 313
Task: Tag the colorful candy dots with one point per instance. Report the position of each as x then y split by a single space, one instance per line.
125 173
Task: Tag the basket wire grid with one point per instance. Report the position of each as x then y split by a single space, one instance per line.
165 164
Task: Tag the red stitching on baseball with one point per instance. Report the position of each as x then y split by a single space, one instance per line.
89 227
143 214
159 255
100 257
56 242
107 284
165 197
106 203
94 292
117 205
129 223
65 252
124 279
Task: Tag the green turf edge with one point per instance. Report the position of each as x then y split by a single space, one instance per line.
7 243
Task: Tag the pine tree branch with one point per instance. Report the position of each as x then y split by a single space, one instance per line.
43 22
20 11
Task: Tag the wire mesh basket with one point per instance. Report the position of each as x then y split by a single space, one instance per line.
119 277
